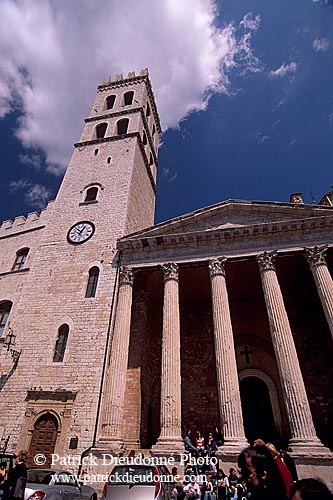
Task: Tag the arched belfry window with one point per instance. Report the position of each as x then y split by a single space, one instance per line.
101 130
110 100
5 308
128 98
91 194
92 282
60 347
122 126
21 257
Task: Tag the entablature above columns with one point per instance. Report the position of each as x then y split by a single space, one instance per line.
237 241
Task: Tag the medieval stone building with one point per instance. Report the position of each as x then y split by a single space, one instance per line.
128 333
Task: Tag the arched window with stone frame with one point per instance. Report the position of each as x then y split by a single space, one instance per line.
110 100
91 194
101 130
61 343
128 98
92 282
21 257
5 307
122 126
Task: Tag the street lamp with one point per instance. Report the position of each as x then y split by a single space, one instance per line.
10 341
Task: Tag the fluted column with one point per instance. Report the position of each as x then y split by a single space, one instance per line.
226 368
115 384
303 434
323 279
170 439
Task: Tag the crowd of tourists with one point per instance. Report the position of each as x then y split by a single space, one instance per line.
264 473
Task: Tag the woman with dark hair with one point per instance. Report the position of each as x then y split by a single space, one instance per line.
261 474
233 482
310 489
15 484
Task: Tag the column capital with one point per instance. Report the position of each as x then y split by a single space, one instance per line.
170 270
126 276
316 255
217 267
266 260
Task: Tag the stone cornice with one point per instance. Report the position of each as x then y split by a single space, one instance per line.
136 135
228 235
17 233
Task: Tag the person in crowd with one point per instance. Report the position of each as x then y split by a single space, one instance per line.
242 491
261 474
218 437
233 482
208 489
284 471
190 470
288 460
200 442
3 466
193 489
188 443
14 485
310 489
178 492
259 442
211 445
221 485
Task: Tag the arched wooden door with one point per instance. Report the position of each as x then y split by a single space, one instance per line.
43 439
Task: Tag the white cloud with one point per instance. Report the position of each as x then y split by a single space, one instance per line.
35 194
321 45
33 160
283 70
54 54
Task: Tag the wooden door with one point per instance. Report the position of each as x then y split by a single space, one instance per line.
43 440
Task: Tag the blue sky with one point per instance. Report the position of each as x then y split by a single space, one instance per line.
244 91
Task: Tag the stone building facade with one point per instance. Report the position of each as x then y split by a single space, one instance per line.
128 333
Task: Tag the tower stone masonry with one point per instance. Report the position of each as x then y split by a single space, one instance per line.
130 333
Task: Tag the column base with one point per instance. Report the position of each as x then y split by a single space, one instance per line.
309 447
113 445
167 446
233 446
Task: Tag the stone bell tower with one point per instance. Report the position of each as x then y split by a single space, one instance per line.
61 301
115 161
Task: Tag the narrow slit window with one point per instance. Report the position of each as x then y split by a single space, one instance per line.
144 138
92 282
101 130
21 257
122 126
154 130
128 98
91 194
151 161
108 159
110 100
60 347
148 110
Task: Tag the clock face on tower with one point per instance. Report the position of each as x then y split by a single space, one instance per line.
80 232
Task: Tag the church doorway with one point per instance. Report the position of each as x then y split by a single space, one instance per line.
257 410
43 439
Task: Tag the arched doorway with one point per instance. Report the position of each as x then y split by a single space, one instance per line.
257 410
43 439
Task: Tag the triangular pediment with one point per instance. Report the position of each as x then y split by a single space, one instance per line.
232 214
